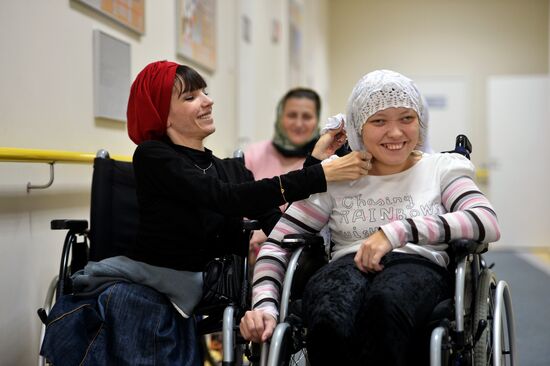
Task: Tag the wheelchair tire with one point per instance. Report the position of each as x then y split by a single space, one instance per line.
284 354
484 310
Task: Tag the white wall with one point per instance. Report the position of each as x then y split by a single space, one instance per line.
46 96
46 103
444 40
518 126
260 60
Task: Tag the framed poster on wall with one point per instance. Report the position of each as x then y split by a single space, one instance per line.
129 13
112 78
196 31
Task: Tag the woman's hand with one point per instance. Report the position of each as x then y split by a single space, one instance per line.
329 142
257 239
257 326
349 167
368 257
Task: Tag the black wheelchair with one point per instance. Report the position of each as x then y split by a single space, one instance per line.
112 230
475 327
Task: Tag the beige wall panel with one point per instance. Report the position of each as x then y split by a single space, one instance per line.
469 39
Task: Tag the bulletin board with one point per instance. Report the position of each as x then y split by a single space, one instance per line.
196 31
129 13
111 76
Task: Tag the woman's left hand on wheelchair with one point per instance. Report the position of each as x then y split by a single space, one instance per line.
371 251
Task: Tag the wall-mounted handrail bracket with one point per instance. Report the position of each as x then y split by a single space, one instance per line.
42 186
15 154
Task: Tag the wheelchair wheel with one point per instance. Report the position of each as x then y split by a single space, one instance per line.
282 351
48 304
484 310
503 327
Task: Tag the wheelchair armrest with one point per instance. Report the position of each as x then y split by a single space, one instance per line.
462 247
293 241
250 225
74 225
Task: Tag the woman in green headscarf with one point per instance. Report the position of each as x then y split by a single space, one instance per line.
296 132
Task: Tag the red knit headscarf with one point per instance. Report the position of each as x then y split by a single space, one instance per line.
149 101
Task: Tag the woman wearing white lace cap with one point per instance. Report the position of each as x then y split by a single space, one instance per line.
355 140
389 229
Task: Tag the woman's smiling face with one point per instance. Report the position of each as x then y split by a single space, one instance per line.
190 114
390 135
299 120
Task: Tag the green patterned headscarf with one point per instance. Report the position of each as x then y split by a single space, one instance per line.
280 138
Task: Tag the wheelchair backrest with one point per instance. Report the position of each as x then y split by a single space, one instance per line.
114 211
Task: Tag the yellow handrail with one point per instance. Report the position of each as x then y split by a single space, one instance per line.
15 154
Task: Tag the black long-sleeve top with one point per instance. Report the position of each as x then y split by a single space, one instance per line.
189 214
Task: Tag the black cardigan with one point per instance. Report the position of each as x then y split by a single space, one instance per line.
188 218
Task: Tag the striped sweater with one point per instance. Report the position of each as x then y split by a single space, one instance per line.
419 210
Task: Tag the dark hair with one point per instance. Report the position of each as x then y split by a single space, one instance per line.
188 79
304 93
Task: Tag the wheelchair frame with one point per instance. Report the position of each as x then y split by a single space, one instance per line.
464 337
476 337
75 254
287 335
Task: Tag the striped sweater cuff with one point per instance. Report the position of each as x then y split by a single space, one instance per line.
394 234
269 308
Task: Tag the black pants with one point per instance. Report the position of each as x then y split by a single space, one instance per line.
355 318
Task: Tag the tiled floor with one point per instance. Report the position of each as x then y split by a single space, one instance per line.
528 274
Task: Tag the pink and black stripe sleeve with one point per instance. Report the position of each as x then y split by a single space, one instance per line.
469 216
301 217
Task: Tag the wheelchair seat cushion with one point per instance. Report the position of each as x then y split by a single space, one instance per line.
183 288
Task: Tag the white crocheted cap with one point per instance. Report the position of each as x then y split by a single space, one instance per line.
379 90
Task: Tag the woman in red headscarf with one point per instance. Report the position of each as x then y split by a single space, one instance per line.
190 209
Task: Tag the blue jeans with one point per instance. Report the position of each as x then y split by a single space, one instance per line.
126 324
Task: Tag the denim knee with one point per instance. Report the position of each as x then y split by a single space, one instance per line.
126 324
73 324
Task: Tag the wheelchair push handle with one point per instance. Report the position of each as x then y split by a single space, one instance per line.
293 241
463 146
462 141
78 226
